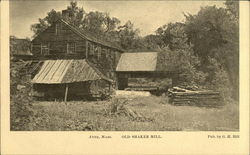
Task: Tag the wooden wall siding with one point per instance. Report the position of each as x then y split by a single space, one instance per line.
58 41
50 35
105 63
114 57
57 37
117 57
91 49
96 51
108 53
79 89
103 53
80 47
60 47
122 83
36 49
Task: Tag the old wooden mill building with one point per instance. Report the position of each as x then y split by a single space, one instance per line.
73 63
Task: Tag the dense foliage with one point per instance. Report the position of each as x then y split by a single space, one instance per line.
19 46
20 101
212 38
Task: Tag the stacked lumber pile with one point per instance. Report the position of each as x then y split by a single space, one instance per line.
143 88
208 98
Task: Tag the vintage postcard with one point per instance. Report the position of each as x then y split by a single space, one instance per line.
124 77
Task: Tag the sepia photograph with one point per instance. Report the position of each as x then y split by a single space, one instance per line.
124 65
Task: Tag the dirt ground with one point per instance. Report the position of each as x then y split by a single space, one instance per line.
157 115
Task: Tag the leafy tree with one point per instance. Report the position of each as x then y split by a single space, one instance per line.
44 23
205 30
74 16
153 42
220 80
185 63
99 22
129 37
232 7
214 32
173 35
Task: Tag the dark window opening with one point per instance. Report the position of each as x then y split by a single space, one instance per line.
70 48
57 29
44 49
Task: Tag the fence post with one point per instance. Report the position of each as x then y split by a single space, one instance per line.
66 93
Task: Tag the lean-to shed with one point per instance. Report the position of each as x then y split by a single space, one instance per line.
73 78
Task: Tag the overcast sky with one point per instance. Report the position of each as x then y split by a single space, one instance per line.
146 15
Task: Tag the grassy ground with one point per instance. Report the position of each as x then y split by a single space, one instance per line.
160 116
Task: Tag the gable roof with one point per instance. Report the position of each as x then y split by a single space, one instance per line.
67 71
145 62
89 36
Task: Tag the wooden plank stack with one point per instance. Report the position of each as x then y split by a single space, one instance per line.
207 98
142 88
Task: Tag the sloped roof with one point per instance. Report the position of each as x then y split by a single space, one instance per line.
67 71
91 37
142 61
145 61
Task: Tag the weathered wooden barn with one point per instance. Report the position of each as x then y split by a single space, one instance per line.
64 41
72 62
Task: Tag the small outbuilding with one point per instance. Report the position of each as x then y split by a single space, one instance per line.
69 79
144 65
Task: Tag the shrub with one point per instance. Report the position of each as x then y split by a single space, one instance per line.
20 102
218 79
186 63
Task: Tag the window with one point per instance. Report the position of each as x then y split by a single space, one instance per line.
44 49
99 53
91 50
96 51
103 53
70 48
57 29
108 53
